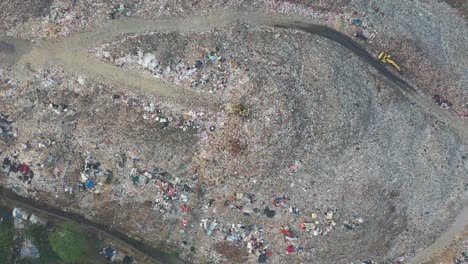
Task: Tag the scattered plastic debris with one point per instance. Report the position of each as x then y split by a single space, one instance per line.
288 234
464 114
268 212
280 201
441 102
232 238
29 250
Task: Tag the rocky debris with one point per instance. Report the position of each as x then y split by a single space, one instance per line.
323 133
441 102
6 128
213 71
13 168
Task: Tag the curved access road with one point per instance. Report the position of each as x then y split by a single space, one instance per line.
71 52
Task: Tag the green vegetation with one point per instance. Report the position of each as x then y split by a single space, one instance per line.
66 244
70 243
6 240
38 235
174 254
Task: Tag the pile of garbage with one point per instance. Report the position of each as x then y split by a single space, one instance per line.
63 20
160 113
353 223
120 11
167 194
114 255
188 121
49 77
464 114
361 28
321 223
6 128
252 236
92 174
29 250
442 102
212 71
14 168
243 202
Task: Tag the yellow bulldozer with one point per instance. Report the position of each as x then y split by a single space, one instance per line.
240 110
386 58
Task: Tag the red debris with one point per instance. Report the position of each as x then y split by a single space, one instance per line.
171 191
24 169
279 202
269 253
185 209
293 167
287 233
185 222
290 249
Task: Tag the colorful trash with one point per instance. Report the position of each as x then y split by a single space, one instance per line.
279 201
89 184
232 238
24 169
185 209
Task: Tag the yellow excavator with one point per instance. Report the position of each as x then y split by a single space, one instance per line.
385 58
240 110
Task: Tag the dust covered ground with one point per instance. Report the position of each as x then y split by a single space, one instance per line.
332 163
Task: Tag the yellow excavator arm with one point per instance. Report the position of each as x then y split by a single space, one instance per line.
386 58
381 55
394 64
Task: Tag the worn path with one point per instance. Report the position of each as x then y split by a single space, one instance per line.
71 52
444 240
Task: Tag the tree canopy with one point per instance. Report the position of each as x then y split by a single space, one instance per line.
69 243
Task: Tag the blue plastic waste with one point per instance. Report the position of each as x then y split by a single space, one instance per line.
89 184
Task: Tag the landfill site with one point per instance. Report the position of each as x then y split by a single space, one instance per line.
244 131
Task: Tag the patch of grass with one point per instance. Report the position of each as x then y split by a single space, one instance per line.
174 254
70 243
6 241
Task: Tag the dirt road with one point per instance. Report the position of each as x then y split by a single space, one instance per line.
72 53
153 255
443 241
